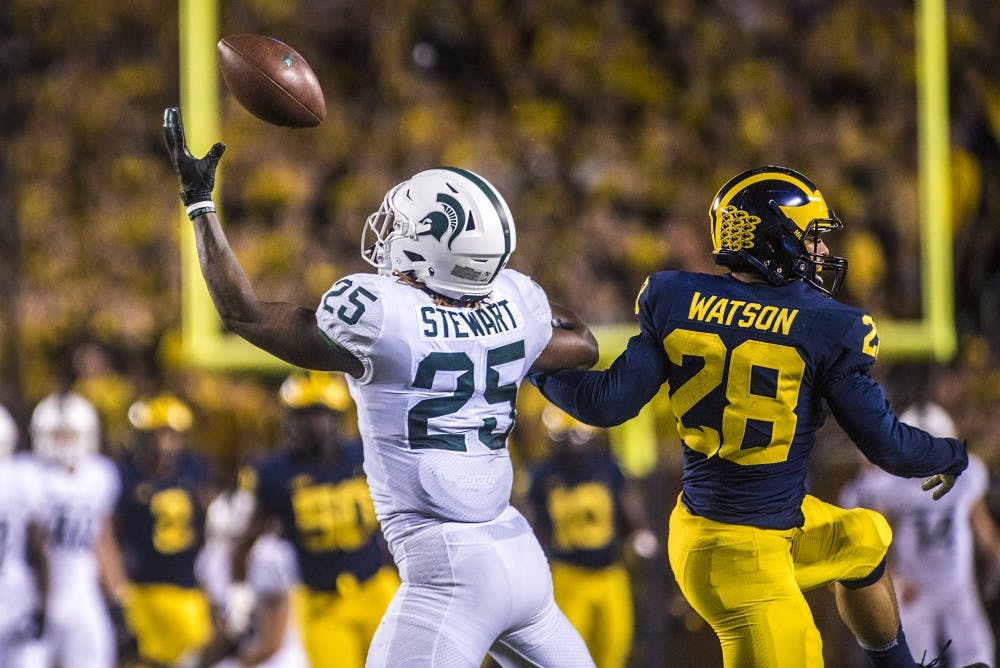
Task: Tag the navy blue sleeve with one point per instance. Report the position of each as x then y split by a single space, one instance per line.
859 405
125 488
608 398
537 499
267 482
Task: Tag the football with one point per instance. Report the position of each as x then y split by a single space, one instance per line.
271 80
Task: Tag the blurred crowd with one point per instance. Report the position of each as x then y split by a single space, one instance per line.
608 126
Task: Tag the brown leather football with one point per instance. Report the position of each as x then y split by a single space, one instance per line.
271 80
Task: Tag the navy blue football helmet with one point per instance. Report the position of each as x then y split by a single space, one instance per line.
770 220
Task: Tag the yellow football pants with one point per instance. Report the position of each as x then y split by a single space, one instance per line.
337 627
747 583
168 621
598 603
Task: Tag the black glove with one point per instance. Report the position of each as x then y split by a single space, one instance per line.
36 627
197 175
128 645
943 481
27 628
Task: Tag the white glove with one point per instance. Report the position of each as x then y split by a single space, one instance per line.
943 481
645 543
238 608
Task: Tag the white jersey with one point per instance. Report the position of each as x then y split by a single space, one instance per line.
272 570
932 542
436 401
76 504
20 505
932 558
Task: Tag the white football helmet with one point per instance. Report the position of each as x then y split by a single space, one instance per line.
932 418
65 428
8 433
447 228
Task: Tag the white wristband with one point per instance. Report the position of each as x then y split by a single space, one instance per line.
198 208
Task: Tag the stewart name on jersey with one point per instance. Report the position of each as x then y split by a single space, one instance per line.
461 323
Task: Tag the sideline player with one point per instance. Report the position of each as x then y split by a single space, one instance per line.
23 566
267 635
78 488
935 543
315 489
586 513
750 358
435 346
159 529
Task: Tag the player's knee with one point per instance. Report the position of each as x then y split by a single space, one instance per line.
877 529
872 536
874 576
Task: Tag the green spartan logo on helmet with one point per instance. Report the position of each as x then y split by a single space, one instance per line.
452 218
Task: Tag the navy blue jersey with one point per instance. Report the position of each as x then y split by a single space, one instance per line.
578 508
750 370
159 521
325 511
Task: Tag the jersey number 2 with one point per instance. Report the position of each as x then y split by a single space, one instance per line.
465 385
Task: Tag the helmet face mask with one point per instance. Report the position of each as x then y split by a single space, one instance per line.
65 429
314 405
770 220
159 424
445 228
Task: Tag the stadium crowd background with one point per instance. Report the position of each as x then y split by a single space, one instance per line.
608 126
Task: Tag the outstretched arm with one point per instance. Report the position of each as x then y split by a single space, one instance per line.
287 331
608 398
859 405
572 345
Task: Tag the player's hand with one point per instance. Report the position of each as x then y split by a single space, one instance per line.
238 609
197 175
37 624
942 481
644 543
125 640
28 627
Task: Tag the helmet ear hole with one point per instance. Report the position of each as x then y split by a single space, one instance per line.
760 221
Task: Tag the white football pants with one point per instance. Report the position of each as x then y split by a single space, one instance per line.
472 589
